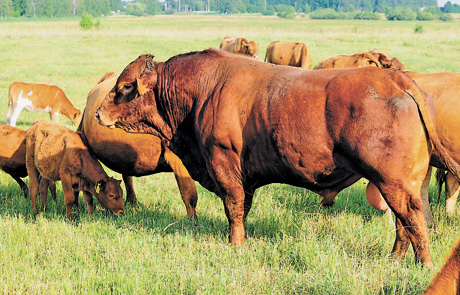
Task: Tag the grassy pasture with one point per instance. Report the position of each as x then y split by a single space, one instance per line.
293 246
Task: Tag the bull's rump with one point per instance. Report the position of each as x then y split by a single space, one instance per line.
317 129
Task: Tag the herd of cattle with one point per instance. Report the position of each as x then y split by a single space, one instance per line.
234 124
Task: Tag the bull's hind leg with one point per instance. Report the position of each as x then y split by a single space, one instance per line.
23 186
411 224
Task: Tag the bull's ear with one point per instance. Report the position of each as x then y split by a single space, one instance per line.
147 82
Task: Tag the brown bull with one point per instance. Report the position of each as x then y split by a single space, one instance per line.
289 54
240 46
239 124
132 154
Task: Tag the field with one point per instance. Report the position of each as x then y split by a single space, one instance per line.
293 245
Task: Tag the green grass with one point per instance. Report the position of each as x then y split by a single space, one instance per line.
293 245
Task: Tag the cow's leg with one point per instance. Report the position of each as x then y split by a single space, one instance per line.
89 201
69 197
408 208
43 190
33 187
52 187
22 184
185 182
425 198
452 191
54 116
13 114
129 185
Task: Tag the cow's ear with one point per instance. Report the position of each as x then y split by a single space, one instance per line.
147 82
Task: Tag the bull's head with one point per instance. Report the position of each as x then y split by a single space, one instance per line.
110 195
130 103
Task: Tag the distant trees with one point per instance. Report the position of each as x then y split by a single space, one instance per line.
359 9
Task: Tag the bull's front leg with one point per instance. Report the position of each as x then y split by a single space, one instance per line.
226 173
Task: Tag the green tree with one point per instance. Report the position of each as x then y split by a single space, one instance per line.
136 8
6 8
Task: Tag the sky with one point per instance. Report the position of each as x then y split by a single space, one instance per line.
442 2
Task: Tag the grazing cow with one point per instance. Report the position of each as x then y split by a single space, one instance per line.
13 156
240 46
373 58
239 124
447 281
56 153
289 54
39 98
132 154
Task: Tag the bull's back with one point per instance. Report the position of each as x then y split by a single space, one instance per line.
127 153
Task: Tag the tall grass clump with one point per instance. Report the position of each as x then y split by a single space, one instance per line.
87 21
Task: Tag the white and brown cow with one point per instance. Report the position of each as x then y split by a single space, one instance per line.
43 98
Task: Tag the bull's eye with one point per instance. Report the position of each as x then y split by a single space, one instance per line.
127 87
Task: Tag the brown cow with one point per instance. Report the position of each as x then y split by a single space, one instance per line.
13 156
239 124
240 46
132 154
39 98
447 281
289 54
57 153
375 58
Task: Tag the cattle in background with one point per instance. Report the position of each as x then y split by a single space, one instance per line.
289 54
54 152
240 46
13 156
231 122
132 154
39 98
447 281
375 58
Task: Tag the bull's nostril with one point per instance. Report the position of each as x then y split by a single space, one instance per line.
97 116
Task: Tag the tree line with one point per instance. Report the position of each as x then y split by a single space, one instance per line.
59 8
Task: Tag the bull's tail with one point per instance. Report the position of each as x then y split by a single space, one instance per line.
440 180
438 149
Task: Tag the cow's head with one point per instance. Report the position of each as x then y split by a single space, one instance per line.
131 104
110 195
76 117
250 48
366 59
386 60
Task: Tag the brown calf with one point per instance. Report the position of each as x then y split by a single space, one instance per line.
57 153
